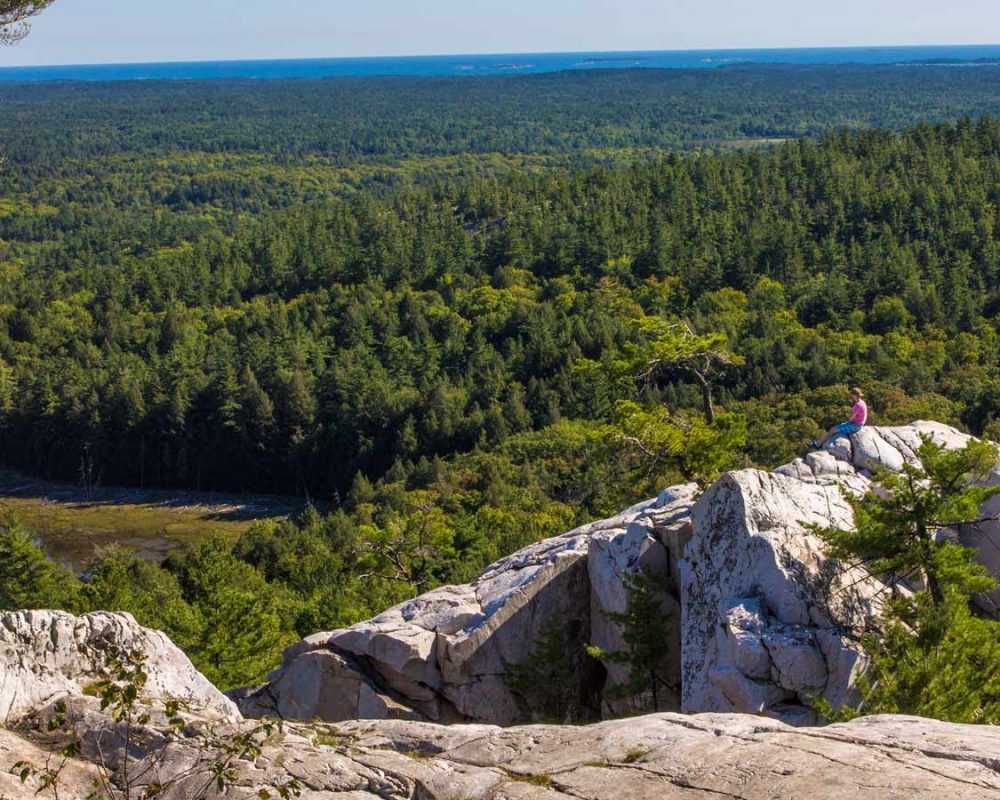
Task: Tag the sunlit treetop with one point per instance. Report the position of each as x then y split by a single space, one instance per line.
14 16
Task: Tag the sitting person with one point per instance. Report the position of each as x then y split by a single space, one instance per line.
859 416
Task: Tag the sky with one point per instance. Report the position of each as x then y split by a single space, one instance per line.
120 31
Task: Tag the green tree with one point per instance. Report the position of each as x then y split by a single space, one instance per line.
645 631
14 16
120 581
245 622
897 528
27 578
682 444
676 348
413 547
551 684
930 655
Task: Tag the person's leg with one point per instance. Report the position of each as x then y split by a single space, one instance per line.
829 435
843 429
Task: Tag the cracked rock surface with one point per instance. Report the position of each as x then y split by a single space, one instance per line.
442 656
45 655
658 757
757 618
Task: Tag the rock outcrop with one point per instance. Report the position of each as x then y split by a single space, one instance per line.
640 758
758 619
48 655
444 655
764 615
653 757
77 778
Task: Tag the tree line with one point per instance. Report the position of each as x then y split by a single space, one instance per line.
365 334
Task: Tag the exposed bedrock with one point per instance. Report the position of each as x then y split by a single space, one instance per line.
47 658
444 656
47 655
655 757
758 619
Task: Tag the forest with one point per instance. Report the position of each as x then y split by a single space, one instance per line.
425 305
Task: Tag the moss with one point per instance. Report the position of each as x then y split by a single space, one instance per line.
418 755
331 739
543 780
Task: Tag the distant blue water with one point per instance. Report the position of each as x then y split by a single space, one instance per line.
521 63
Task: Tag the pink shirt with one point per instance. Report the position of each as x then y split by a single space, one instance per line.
859 413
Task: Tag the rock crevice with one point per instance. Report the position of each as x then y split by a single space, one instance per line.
758 620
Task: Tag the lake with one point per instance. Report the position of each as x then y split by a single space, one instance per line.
519 63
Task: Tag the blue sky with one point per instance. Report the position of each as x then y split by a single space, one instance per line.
108 31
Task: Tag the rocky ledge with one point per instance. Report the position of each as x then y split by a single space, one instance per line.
46 655
759 620
658 756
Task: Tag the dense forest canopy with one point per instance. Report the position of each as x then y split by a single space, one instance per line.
305 345
564 115
424 302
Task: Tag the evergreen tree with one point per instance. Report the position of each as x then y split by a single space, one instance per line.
931 655
551 683
645 630
14 16
119 581
898 529
27 579
245 623
675 348
669 445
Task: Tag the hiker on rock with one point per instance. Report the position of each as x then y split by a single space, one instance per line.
859 416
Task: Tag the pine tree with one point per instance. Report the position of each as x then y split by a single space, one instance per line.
14 16
931 655
645 631
675 349
897 528
27 578
244 621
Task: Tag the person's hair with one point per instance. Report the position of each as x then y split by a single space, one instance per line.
858 392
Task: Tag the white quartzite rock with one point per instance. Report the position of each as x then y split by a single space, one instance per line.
443 656
640 758
45 655
657 757
755 592
654 541
767 620
758 618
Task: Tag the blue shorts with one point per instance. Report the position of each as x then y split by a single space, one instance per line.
846 428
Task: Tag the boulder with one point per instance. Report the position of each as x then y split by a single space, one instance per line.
303 692
444 656
756 593
892 447
45 655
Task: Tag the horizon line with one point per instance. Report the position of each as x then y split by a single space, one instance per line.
249 60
